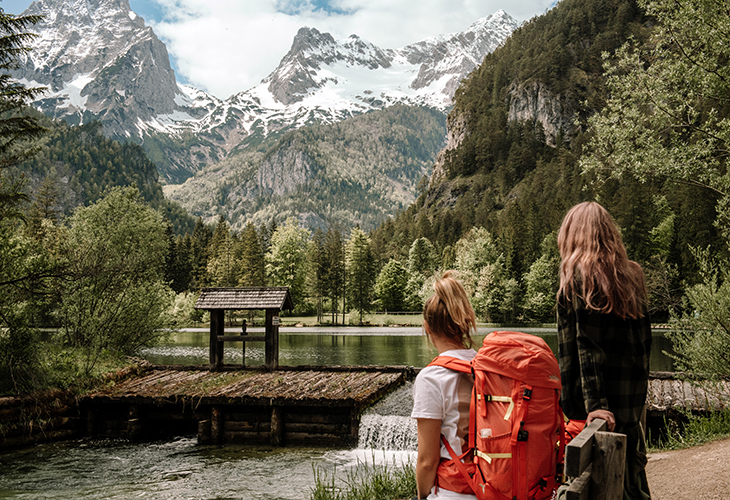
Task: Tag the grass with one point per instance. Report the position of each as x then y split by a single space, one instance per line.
697 429
367 482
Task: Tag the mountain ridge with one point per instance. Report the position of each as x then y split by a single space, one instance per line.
101 62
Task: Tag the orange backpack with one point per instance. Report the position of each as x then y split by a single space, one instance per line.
515 450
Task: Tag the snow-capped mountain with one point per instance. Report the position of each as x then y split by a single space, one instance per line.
100 61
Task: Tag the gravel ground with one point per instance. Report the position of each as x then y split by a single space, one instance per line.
699 473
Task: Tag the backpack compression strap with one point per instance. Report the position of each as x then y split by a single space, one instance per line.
456 364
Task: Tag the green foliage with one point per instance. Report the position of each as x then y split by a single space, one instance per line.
667 115
360 265
18 127
286 259
701 336
541 286
365 482
390 286
481 268
422 257
27 273
116 298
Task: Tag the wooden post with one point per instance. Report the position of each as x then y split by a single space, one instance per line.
216 425
204 432
272 339
216 329
609 458
243 344
596 461
134 423
277 425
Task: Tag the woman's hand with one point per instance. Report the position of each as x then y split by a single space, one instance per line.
605 415
429 454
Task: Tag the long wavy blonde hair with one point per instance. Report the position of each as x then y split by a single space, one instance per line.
448 313
594 264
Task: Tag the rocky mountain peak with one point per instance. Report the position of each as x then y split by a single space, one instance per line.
98 57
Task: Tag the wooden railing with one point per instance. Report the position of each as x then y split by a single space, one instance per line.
594 461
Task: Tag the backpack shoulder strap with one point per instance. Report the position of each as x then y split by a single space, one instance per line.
456 364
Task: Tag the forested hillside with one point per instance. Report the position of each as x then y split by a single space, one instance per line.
517 131
76 165
355 172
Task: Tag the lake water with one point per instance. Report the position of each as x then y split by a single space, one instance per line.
347 345
182 469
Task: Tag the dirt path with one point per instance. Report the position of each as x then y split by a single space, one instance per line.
699 473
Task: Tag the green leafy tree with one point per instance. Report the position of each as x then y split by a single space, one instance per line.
666 116
701 336
116 298
540 289
541 283
361 271
224 266
481 268
286 261
390 286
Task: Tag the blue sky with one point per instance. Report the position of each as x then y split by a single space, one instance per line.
227 46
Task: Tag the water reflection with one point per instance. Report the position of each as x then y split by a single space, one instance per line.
345 346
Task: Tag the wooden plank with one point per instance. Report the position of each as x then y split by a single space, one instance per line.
579 451
609 456
580 488
241 338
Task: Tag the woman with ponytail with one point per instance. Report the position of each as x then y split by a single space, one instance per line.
441 396
604 333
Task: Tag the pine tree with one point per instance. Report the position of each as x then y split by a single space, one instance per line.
360 271
17 126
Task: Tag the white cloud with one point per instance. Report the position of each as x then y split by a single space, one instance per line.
227 46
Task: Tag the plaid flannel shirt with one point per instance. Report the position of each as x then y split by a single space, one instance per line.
604 362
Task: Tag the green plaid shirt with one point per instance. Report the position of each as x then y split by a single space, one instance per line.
604 362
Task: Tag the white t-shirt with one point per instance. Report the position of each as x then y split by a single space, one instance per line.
444 394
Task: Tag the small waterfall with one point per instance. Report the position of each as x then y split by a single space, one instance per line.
387 432
387 425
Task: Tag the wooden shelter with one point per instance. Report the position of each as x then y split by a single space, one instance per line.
218 300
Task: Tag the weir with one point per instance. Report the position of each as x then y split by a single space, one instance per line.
387 425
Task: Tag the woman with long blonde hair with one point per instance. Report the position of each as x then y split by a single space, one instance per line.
441 396
604 333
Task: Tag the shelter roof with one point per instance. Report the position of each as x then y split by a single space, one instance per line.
236 298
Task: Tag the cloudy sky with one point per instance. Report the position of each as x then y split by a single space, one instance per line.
226 46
